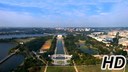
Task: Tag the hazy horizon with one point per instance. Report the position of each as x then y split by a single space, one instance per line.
63 13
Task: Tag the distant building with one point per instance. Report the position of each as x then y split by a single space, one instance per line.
59 36
123 41
21 43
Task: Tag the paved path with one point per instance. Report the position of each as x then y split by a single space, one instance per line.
75 66
45 70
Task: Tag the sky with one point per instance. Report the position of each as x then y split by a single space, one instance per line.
63 13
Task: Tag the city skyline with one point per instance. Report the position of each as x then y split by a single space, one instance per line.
67 13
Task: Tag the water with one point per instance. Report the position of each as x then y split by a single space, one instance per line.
4 49
20 36
15 60
59 45
87 50
11 63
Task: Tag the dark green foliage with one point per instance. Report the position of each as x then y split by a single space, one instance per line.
50 51
28 63
53 46
36 44
31 61
120 52
79 57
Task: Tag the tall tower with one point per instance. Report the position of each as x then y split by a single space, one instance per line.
116 39
117 35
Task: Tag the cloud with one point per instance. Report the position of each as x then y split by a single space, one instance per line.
117 17
21 19
55 13
113 1
15 19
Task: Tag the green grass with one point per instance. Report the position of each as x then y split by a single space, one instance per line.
126 68
60 69
82 68
42 69
96 68
92 68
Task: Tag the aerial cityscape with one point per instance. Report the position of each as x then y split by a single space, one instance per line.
70 49
63 36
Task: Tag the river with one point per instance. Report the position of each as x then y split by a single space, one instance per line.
4 48
21 36
13 61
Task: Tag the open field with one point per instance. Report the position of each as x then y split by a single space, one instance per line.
42 69
96 68
92 68
25 40
82 68
34 69
60 69
126 68
82 41
46 45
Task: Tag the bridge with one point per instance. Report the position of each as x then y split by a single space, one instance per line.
60 57
7 57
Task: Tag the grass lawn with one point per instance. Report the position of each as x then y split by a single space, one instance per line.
60 69
96 68
42 69
24 40
126 68
47 44
85 68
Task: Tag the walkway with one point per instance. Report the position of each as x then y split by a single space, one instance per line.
60 57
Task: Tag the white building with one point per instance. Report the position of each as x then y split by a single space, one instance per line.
59 36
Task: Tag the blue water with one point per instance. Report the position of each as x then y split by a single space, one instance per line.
20 36
15 60
4 49
89 51
59 45
11 63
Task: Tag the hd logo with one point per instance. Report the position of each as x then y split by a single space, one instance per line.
113 62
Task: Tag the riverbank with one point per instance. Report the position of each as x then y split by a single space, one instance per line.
30 50
21 36
11 63
8 46
5 48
